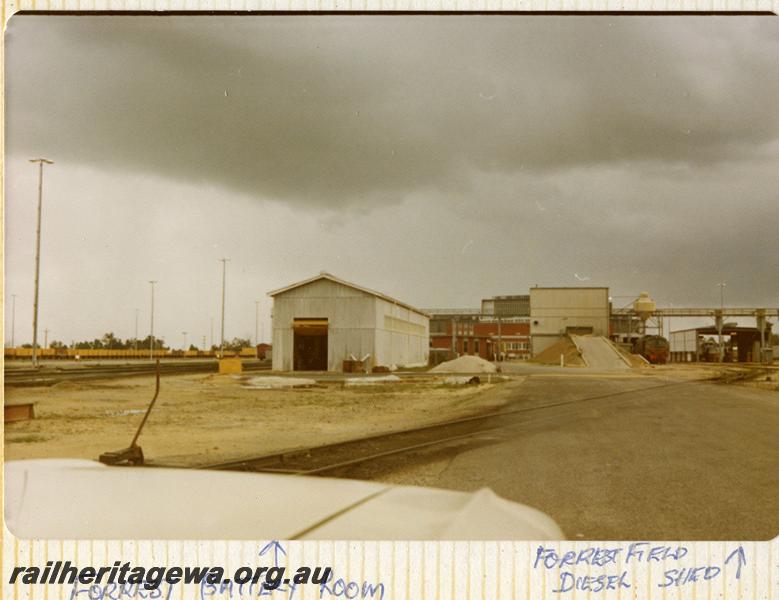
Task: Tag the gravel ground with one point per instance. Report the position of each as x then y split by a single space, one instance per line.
202 419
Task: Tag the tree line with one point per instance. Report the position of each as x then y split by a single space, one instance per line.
110 342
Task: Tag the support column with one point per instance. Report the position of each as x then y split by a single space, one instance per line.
454 336
760 321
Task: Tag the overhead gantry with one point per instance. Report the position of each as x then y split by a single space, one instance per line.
644 308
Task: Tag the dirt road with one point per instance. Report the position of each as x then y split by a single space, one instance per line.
695 461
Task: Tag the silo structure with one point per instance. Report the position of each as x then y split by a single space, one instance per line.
644 307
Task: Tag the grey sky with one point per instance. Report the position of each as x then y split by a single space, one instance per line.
437 159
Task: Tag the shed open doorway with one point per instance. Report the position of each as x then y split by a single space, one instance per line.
309 344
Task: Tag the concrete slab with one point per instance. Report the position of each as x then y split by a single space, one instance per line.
598 353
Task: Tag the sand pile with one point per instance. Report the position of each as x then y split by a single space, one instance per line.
551 356
465 364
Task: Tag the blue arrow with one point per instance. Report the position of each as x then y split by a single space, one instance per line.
742 560
276 547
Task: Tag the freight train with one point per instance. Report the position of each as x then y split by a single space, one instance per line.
654 348
104 353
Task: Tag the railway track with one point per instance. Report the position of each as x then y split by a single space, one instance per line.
746 373
332 459
50 375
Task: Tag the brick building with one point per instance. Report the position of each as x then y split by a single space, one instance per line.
479 335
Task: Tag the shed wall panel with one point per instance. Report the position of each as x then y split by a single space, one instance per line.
350 314
402 335
359 324
683 341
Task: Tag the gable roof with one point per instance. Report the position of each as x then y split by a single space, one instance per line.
333 278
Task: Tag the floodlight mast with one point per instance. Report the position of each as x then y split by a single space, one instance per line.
13 321
41 162
135 343
720 321
151 326
256 323
224 262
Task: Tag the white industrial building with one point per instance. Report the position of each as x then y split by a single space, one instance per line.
556 312
320 322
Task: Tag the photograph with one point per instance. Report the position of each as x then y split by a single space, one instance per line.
391 277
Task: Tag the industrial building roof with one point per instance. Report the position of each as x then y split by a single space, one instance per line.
569 287
437 312
726 329
330 277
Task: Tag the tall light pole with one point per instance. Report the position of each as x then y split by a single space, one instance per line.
13 320
46 338
256 323
721 319
222 335
136 330
41 162
151 333
186 339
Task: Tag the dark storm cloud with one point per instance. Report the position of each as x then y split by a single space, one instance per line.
329 111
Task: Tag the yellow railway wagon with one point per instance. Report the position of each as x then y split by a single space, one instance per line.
27 353
95 353
103 353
